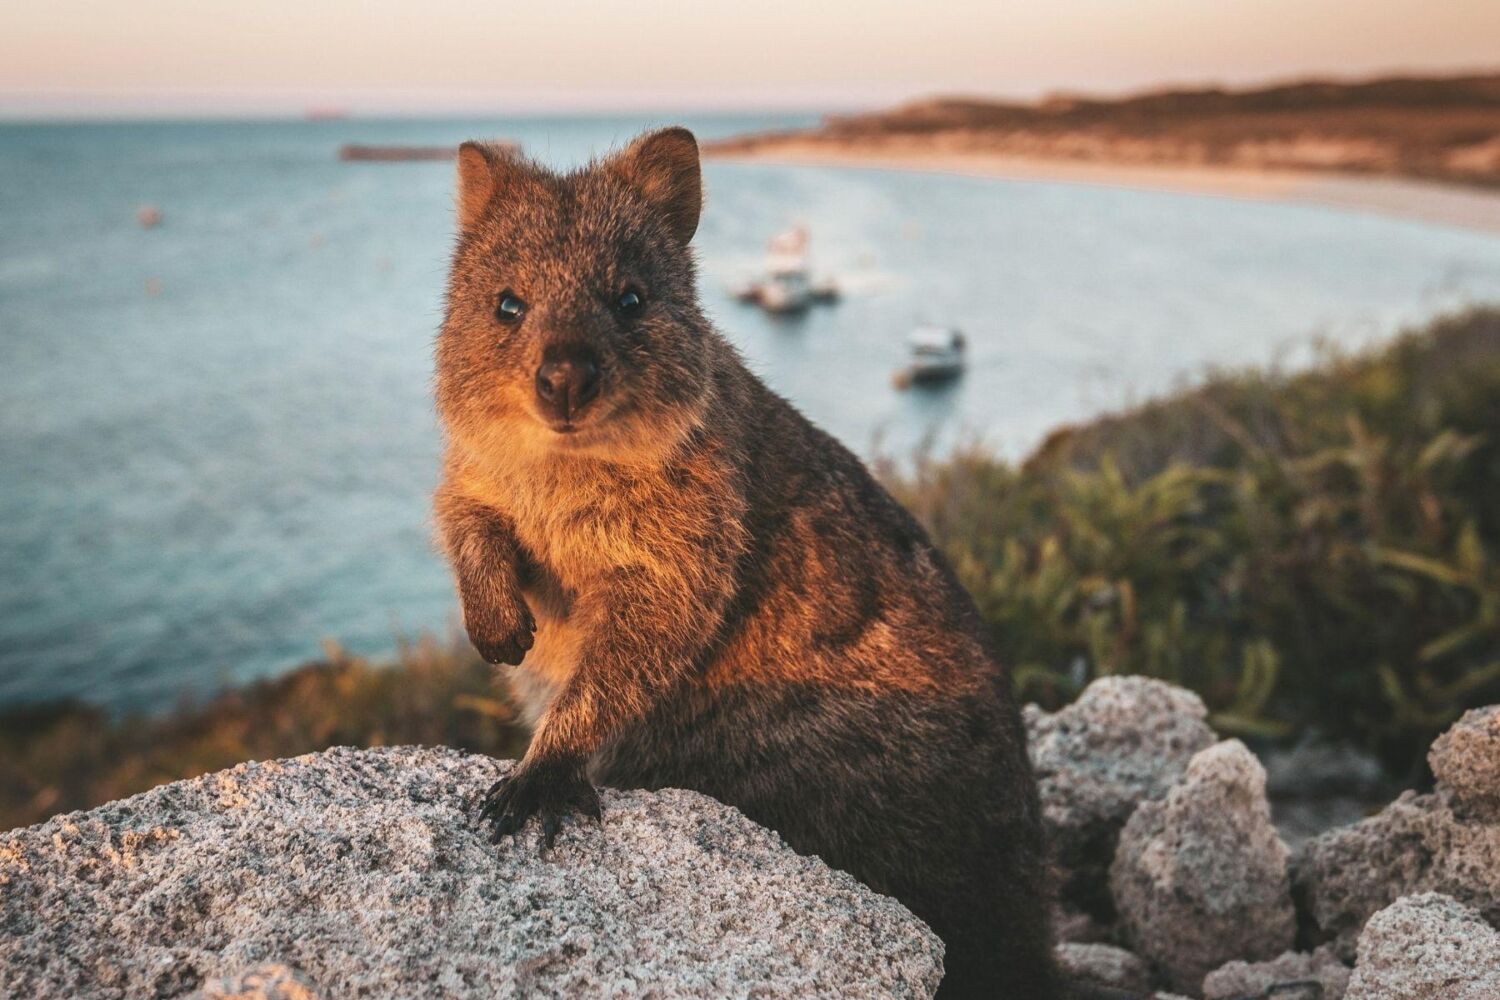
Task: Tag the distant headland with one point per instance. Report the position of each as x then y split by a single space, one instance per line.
1426 147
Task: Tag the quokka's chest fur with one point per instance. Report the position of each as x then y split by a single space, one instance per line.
580 523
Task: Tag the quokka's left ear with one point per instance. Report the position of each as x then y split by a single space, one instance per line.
663 166
485 170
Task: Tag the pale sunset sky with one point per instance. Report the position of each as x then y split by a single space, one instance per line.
88 57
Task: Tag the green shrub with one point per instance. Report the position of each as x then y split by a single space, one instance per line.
1318 551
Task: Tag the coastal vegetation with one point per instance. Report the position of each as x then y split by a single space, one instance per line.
1313 553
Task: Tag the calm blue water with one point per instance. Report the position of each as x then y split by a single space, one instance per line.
202 483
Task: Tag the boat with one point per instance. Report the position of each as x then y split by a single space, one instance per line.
937 356
787 287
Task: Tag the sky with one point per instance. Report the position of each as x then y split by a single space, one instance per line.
90 57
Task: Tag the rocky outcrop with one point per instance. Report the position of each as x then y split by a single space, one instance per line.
361 873
1125 740
364 873
1417 844
1466 761
1103 965
1318 975
1200 876
1427 947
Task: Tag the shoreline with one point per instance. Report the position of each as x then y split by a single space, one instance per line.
1414 200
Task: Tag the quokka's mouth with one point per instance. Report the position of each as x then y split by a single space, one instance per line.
572 431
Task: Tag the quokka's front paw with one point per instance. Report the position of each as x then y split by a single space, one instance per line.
501 634
551 791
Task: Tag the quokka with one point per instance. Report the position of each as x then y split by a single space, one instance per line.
697 587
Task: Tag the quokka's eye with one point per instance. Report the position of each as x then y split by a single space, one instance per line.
630 303
510 309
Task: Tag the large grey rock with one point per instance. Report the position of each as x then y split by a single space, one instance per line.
361 873
1124 741
1103 965
1200 876
1324 976
1427 947
1466 761
1416 844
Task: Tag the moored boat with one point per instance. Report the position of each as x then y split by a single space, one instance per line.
937 357
788 286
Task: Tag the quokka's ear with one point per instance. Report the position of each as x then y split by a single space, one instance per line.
483 169
663 166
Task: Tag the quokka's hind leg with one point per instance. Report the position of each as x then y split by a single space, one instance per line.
996 936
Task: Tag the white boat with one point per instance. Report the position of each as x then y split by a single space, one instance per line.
788 286
937 356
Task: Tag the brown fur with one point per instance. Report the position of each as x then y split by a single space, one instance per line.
701 588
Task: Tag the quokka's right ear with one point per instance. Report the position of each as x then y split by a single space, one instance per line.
483 169
663 166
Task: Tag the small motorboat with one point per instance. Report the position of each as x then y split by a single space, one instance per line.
788 286
937 357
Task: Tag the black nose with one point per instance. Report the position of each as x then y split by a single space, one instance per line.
566 385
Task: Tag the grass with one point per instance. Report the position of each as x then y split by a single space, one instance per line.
1314 552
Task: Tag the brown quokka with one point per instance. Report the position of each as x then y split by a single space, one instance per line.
700 588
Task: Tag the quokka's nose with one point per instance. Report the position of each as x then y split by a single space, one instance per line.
566 385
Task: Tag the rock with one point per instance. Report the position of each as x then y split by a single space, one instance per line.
1427 947
362 873
1325 975
1103 965
1315 787
1200 876
1072 927
1319 770
1300 820
1417 844
1125 740
1466 761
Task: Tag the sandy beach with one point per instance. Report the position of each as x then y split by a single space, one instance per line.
1423 201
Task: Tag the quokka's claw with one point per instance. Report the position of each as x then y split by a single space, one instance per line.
554 792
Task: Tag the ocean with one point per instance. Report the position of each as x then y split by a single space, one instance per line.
217 437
